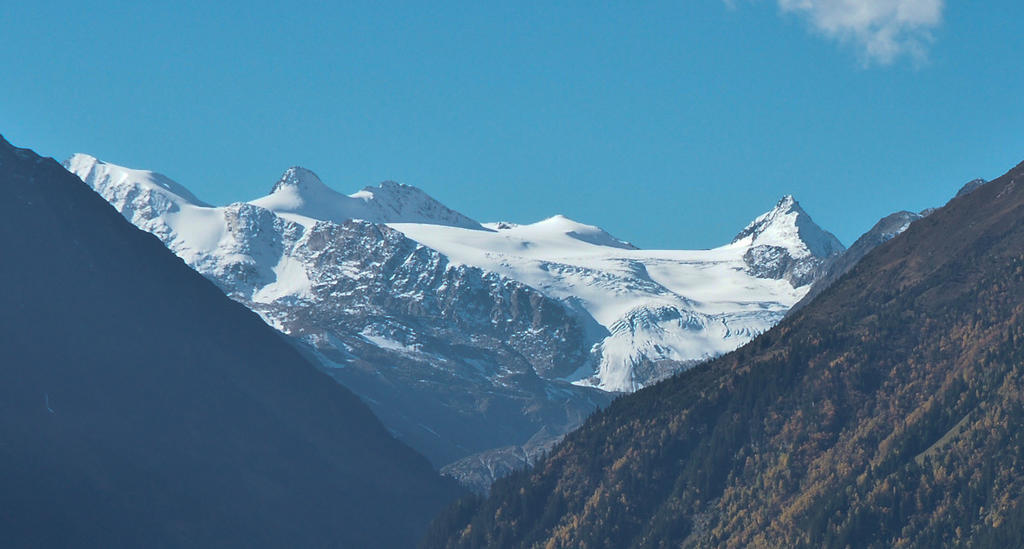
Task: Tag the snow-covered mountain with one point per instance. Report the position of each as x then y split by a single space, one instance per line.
456 361
786 243
300 192
478 344
662 310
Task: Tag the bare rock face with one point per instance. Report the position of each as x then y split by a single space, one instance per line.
454 359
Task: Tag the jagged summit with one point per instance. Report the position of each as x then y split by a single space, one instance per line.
298 178
785 243
788 226
301 192
787 201
395 202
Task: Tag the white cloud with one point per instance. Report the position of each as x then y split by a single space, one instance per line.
881 30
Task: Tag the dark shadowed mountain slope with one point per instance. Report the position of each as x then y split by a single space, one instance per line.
886 413
141 407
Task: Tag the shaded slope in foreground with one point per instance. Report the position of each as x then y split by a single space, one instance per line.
886 413
141 407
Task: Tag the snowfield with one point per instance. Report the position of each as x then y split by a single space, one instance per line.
675 307
647 313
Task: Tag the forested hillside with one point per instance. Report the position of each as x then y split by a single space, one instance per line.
886 413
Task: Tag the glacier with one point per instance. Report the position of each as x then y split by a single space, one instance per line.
479 344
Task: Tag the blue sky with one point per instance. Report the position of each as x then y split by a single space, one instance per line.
670 124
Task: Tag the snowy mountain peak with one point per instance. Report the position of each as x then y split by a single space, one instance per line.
82 159
786 205
591 234
680 306
301 192
298 178
787 202
400 203
788 226
101 175
561 222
